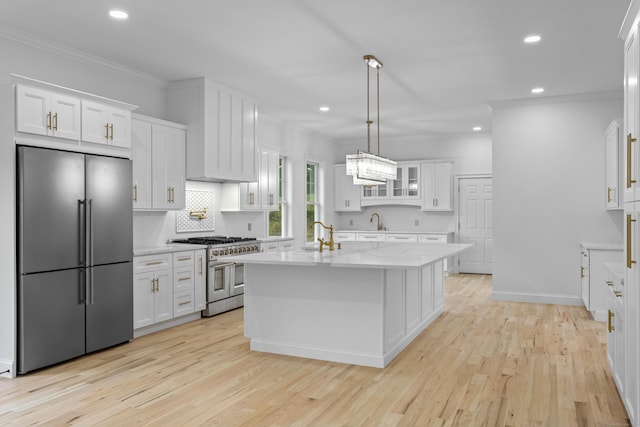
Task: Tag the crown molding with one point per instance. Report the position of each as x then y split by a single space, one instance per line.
80 56
581 97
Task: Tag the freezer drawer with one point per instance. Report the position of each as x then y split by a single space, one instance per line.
109 305
51 326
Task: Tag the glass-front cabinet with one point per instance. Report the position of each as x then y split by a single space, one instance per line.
375 192
407 183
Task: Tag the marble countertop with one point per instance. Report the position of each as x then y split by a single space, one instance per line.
392 232
173 247
274 239
359 254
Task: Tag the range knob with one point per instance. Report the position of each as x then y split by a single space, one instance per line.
235 250
215 253
225 252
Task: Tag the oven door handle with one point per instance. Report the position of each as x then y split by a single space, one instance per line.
221 264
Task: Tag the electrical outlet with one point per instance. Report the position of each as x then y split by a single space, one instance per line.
248 226
416 222
350 222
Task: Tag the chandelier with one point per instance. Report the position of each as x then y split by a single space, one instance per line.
365 167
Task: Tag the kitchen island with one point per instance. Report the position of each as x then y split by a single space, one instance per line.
362 304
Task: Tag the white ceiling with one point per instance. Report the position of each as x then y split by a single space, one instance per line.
443 60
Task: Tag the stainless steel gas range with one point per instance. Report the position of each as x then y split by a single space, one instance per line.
225 279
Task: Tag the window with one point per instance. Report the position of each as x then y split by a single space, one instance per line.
277 219
313 207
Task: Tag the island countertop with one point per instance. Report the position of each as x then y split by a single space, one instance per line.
359 254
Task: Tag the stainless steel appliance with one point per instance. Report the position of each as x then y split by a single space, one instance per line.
75 251
225 280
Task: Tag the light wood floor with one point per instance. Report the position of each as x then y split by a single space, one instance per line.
482 363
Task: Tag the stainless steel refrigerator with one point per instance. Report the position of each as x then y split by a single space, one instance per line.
75 251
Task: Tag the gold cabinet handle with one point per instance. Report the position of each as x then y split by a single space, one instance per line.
154 263
630 181
609 322
135 193
582 272
49 120
609 283
154 285
106 130
609 200
111 127
168 194
251 199
630 260
184 279
618 294
201 266
186 258
55 121
270 199
184 303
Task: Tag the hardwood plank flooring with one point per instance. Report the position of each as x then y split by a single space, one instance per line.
482 363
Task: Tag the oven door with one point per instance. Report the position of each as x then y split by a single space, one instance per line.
237 281
219 280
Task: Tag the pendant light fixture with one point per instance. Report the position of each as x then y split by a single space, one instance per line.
365 167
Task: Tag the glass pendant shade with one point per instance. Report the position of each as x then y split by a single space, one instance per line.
369 169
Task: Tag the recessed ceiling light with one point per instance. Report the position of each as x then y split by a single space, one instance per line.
534 38
118 14
537 90
324 108
477 128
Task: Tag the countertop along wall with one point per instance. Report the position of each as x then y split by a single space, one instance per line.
549 193
471 155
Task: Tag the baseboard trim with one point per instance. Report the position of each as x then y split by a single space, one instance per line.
7 369
537 298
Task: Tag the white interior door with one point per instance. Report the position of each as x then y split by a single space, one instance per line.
476 224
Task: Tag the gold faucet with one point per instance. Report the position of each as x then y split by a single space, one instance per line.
379 222
330 243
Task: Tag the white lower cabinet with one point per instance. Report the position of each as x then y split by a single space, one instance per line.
168 285
631 307
200 280
593 276
152 289
278 245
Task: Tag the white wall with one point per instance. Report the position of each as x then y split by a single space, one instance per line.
470 153
549 194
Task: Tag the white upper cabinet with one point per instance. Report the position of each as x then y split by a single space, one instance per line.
141 163
631 111
614 165
407 184
269 176
44 112
221 127
106 124
437 186
158 156
256 195
346 195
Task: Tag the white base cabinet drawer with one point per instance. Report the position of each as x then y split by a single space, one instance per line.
428 238
402 238
182 278
142 264
183 303
344 237
371 237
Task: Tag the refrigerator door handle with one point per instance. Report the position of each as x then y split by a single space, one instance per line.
90 231
90 287
82 213
83 286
